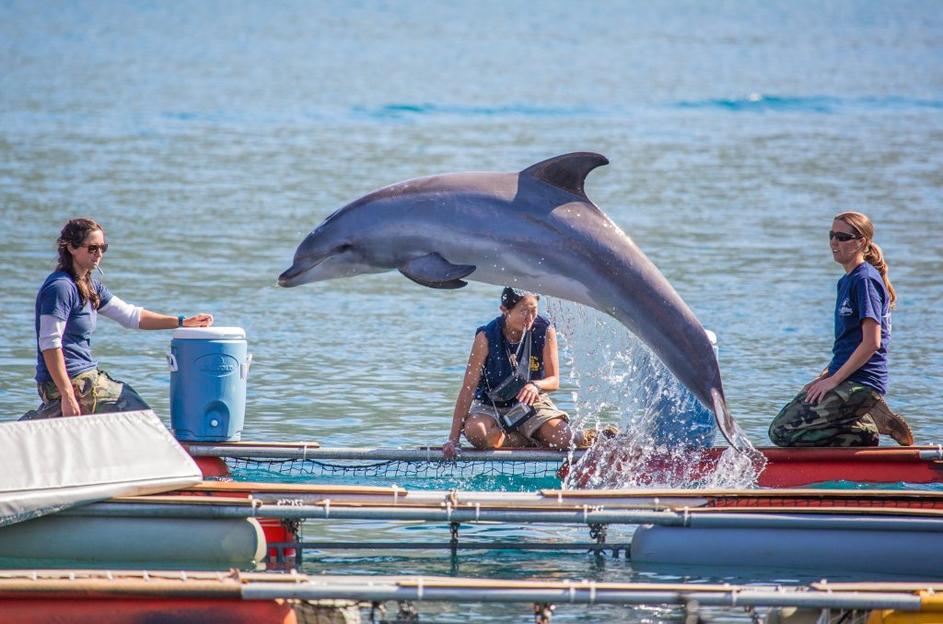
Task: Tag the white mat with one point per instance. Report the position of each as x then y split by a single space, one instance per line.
49 465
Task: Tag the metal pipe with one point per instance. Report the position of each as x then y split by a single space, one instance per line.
434 454
581 594
447 545
587 515
402 513
431 454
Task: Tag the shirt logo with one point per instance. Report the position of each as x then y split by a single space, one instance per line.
534 364
845 308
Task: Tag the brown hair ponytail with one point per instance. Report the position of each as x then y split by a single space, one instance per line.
861 224
74 233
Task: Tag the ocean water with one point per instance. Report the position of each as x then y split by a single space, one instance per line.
209 138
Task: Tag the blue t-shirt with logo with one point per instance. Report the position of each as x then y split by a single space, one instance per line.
59 297
498 365
862 294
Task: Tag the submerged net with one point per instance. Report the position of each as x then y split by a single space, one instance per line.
396 468
491 474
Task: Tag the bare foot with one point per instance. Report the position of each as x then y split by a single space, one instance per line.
591 435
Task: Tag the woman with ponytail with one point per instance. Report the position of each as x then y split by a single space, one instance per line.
844 405
67 308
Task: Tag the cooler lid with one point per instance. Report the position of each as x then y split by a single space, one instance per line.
209 333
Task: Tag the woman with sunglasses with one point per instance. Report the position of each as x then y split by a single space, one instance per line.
512 367
844 405
67 307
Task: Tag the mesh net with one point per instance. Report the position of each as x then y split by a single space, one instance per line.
503 474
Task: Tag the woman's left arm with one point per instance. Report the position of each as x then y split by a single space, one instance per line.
870 343
153 320
551 381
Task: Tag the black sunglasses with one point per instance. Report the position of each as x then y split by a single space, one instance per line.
96 248
843 237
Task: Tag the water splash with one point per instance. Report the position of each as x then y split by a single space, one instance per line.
666 435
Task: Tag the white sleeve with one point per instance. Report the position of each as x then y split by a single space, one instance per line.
50 332
123 313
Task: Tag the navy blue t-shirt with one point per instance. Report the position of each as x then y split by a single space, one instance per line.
862 294
498 366
59 297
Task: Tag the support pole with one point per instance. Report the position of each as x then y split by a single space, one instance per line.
453 539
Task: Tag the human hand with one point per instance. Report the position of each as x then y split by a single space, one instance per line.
69 406
529 394
203 319
818 389
450 449
823 375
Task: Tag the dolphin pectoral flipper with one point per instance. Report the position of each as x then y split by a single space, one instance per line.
434 271
567 172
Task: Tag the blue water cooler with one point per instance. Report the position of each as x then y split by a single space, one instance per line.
209 367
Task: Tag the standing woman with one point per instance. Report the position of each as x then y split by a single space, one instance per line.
844 405
67 308
518 340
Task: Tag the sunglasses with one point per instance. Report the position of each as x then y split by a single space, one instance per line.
842 237
95 248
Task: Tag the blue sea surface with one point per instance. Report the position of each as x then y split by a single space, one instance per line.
210 137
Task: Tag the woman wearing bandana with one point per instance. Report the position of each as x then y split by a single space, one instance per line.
512 368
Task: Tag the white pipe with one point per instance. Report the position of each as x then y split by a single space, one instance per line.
378 454
551 516
580 595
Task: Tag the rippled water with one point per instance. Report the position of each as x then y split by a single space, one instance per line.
210 137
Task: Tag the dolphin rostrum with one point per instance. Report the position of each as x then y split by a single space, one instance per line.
535 230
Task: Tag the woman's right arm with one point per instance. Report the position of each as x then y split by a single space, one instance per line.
49 340
476 362
55 364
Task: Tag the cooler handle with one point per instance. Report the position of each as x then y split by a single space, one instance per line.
244 367
172 362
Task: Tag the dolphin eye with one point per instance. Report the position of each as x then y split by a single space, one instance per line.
342 248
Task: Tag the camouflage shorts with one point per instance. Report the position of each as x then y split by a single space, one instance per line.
96 393
840 418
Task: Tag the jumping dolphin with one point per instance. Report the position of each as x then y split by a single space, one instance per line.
535 230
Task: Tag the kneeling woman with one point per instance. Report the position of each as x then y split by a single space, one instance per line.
844 405
512 366
67 308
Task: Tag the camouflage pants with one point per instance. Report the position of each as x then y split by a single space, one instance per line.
96 393
841 418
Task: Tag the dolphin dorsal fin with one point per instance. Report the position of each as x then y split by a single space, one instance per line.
567 171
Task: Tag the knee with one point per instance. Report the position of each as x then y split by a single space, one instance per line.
487 440
787 419
556 434
776 436
483 435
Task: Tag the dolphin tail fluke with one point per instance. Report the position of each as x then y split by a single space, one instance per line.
727 425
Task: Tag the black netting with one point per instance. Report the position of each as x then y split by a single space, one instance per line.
394 469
